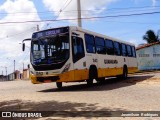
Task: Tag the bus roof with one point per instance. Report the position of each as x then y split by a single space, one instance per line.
90 32
99 35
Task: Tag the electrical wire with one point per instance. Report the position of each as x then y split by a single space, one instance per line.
92 10
60 11
85 18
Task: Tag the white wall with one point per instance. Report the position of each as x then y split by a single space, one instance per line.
149 58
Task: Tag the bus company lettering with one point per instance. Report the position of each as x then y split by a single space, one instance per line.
106 61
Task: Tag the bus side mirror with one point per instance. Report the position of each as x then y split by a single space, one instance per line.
28 66
23 47
23 44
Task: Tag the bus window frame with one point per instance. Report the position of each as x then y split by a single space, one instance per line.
99 45
112 42
133 53
93 45
130 51
125 50
120 48
77 57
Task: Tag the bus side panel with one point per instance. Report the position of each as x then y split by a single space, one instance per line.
81 71
106 68
67 76
132 65
121 61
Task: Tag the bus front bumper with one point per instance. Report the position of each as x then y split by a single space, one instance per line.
43 79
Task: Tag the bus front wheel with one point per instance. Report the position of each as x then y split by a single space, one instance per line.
59 85
125 73
100 80
92 76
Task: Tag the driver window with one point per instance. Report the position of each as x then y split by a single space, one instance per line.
77 48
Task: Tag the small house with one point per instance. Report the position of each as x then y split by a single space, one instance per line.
148 56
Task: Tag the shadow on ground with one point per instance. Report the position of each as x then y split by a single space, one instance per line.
58 109
108 84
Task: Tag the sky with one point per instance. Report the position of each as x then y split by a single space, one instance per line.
115 18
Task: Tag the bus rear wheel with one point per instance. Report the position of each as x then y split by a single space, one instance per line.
89 82
59 85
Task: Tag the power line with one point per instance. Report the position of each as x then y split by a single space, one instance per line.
9 36
67 5
130 22
85 18
61 10
87 11
44 12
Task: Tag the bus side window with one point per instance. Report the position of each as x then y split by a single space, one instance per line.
129 51
77 48
124 50
133 51
109 47
90 43
117 48
100 45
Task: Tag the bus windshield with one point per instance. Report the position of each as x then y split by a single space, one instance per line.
50 50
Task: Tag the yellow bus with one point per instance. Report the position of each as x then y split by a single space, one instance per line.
73 54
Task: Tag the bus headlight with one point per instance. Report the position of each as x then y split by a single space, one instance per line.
66 68
32 72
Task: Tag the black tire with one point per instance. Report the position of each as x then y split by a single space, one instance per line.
92 76
100 80
89 82
125 73
59 85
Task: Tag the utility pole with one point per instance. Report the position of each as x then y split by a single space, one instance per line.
23 71
6 73
37 28
14 66
6 70
79 13
2 75
23 65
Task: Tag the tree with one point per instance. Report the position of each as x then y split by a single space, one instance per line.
151 37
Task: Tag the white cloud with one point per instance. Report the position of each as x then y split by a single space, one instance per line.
93 7
154 2
12 34
136 42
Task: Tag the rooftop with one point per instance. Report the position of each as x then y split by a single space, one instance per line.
147 45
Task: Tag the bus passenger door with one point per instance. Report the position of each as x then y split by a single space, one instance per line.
78 56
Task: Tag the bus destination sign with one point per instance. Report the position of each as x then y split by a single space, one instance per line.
50 32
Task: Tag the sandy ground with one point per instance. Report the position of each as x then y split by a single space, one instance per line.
140 92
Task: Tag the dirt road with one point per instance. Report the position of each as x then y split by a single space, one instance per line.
140 92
